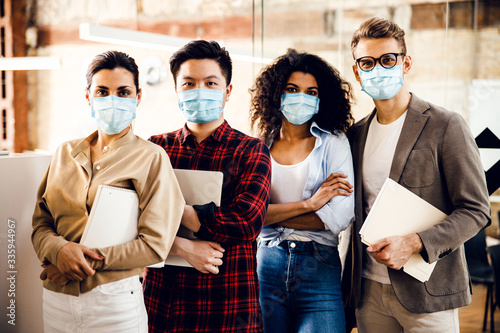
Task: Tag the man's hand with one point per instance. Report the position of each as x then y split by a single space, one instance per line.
395 251
334 185
52 273
71 261
205 256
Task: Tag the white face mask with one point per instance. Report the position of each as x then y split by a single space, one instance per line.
201 105
299 108
382 83
112 113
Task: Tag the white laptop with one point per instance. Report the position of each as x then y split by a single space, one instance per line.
198 187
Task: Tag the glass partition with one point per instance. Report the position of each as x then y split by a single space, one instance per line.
454 46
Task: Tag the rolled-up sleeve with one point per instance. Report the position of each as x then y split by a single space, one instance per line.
338 213
242 219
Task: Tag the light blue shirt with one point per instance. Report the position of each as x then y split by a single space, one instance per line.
331 153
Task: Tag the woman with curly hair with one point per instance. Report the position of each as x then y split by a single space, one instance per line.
301 109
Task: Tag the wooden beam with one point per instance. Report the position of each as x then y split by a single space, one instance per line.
20 100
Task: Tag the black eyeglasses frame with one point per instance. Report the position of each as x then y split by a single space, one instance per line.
375 60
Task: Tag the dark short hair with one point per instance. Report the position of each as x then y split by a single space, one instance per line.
111 60
377 28
202 49
335 94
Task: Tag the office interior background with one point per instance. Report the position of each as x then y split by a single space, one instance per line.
455 46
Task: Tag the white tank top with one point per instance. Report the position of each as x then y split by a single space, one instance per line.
287 185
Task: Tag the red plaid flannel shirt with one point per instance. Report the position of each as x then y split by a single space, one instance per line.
180 299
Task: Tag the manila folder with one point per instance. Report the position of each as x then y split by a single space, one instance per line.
399 212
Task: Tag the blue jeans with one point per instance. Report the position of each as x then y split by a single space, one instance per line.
300 287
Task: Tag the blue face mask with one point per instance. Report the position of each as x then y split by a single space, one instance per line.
201 105
299 108
112 113
382 83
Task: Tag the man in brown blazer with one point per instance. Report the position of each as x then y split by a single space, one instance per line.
431 152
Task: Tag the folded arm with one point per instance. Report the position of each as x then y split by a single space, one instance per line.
161 206
301 214
241 220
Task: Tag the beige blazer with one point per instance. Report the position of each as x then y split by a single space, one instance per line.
436 158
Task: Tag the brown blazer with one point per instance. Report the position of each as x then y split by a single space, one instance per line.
436 158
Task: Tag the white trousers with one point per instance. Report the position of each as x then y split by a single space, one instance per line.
112 307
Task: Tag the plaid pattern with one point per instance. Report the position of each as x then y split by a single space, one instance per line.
180 299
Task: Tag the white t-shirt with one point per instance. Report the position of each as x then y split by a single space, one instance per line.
377 159
287 185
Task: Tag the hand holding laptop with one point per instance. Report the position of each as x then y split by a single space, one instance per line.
399 212
198 187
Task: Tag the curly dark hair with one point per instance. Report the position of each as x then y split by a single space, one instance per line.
335 94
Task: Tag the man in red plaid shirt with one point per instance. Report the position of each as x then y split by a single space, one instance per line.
221 294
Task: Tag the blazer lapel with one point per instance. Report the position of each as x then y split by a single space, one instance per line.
362 134
412 128
358 151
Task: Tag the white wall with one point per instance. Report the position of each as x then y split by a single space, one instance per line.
20 177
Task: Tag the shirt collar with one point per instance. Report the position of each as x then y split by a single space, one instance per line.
85 143
317 131
220 134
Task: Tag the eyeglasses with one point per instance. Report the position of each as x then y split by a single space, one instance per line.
387 60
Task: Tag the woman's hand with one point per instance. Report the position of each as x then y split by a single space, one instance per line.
190 219
52 273
71 261
334 185
205 256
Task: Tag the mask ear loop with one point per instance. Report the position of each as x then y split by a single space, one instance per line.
403 66
137 102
